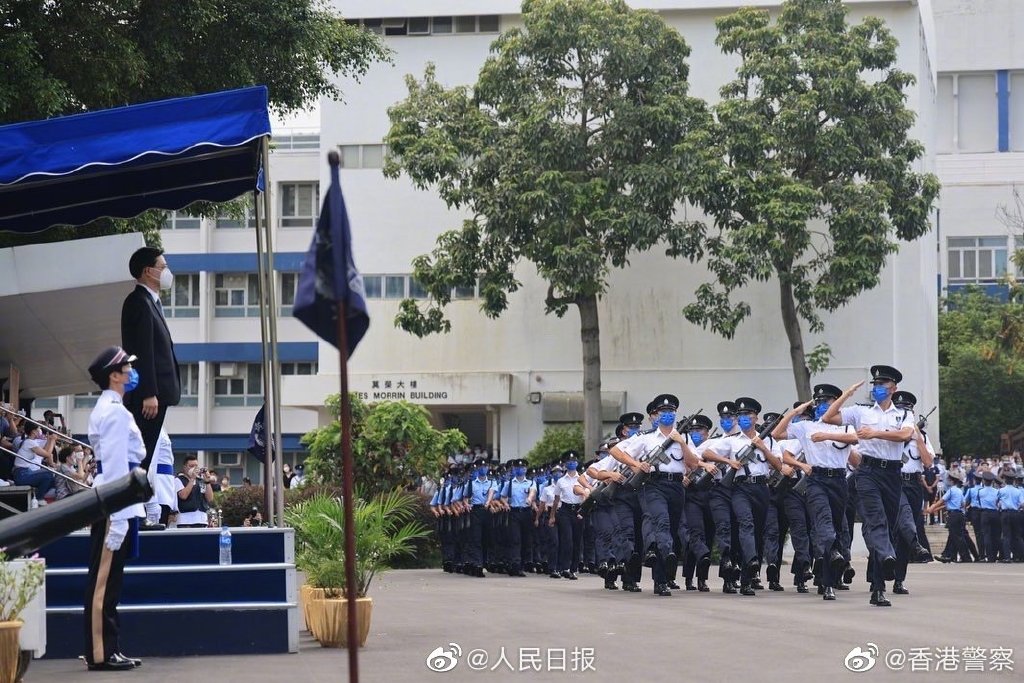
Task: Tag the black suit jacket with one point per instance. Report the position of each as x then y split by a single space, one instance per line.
144 333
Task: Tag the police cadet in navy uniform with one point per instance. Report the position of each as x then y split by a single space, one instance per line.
588 565
953 501
522 494
566 516
700 523
917 454
776 526
626 514
498 549
478 495
793 502
1009 500
119 448
750 491
882 429
720 501
548 498
988 496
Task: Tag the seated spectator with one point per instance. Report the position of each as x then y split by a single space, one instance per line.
70 462
225 484
195 495
35 450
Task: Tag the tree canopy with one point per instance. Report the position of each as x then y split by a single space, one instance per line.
817 183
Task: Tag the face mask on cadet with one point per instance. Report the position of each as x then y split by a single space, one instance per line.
133 380
820 410
572 466
666 419
697 438
726 423
481 472
745 422
879 392
519 472
632 431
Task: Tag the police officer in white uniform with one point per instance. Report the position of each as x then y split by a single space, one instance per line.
118 447
918 454
882 429
161 477
566 514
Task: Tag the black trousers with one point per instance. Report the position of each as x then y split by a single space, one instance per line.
661 501
914 496
826 503
799 532
993 533
478 536
1012 522
700 531
602 518
102 594
750 505
956 542
570 538
520 537
629 532
878 496
720 501
974 517
150 428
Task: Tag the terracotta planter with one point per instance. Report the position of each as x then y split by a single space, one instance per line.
329 616
10 652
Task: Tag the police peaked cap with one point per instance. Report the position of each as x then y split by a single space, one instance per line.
663 401
826 391
109 360
480 462
904 398
702 422
620 431
988 476
632 418
745 404
570 455
519 462
726 408
886 372
770 417
808 412
955 475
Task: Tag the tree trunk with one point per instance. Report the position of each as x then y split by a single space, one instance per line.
791 321
590 337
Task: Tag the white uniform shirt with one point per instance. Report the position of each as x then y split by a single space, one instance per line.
164 490
32 459
563 487
117 444
640 444
605 464
823 453
891 420
914 464
731 446
547 495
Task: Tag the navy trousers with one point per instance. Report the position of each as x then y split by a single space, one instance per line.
720 501
629 532
520 537
795 508
956 543
878 496
826 504
570 538
750 505
603 520
700 530
910 526
993 533
1012 522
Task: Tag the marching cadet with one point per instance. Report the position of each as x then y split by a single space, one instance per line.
588 565
793 502
974 516
118 447
478 496
498 554
548 509
661 495
606 471
566 514
446 519
435 509
882 428
1010 500
776 526
460 512
521 497
627 516
917 455
953 501
826 488
720 502
750 491
988 496
700 522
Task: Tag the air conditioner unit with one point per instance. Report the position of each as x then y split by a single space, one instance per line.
226 370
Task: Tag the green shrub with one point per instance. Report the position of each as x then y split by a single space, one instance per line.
554 442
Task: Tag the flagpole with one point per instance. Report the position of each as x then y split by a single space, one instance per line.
347 481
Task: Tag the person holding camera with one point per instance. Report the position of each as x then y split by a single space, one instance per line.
71 464
195 495
254 518
36 449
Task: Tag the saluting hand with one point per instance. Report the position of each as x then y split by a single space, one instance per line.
854 387
803 406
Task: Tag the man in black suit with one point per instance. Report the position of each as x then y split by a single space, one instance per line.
144 334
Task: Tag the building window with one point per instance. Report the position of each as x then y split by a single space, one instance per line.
189 375
426 26
44 404
976 259
464 292
303 368
180 221
968 112
373 286
402 286
237 384
299 203
236 295
416 290
362 156
246 220
286 294
296 140
182 300
230 465
394 286
86 400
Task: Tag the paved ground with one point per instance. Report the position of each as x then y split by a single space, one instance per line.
690 636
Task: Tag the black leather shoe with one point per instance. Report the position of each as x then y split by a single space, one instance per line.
152 526
848 575
673 585
609 582
842 587
899 589
602 569
747 590
838 562
729 587
943 559
113 663
776 586
569 575
756 584
690 586
830 594
702 586
703 564
650 559
632 588
802 588
554 575
889 568
821 590
922 555
136 662
517 572
879 600
662 590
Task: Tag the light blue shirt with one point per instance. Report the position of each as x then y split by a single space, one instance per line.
520 492
477 490
1010 498
954 498
987 497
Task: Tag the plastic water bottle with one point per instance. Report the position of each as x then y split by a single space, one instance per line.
225 546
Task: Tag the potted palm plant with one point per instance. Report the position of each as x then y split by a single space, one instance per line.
20 581
385 528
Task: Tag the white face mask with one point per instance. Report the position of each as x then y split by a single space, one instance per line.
166 278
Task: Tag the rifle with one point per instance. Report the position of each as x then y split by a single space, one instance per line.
657 455
747 454
922 421
700 479
784 484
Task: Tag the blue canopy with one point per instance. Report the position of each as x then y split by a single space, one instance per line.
120 162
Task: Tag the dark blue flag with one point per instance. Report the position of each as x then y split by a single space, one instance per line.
329 275
258 437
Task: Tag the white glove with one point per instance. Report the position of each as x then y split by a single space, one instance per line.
116 533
